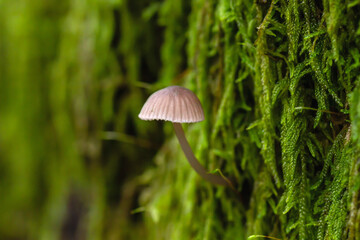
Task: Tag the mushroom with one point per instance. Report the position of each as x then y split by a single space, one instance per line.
179 105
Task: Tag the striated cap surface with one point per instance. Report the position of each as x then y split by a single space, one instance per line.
174 104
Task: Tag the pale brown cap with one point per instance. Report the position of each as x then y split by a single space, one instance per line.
175 104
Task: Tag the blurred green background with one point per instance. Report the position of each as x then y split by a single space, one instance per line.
279 83
74 75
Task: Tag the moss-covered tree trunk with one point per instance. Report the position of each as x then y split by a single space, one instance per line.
279 83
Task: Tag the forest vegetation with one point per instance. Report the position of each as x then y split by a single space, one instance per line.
279 84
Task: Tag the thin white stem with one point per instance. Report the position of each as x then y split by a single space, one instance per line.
215 179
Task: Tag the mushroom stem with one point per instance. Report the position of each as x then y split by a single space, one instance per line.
215 179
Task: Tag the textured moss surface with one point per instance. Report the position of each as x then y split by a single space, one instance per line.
279 83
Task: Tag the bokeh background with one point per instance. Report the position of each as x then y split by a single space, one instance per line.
74 75
279 85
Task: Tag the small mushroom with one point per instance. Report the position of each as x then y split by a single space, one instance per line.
179 105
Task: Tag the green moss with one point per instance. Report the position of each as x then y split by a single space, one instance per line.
279 83
260 63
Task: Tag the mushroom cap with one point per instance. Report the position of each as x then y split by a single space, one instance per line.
174 104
